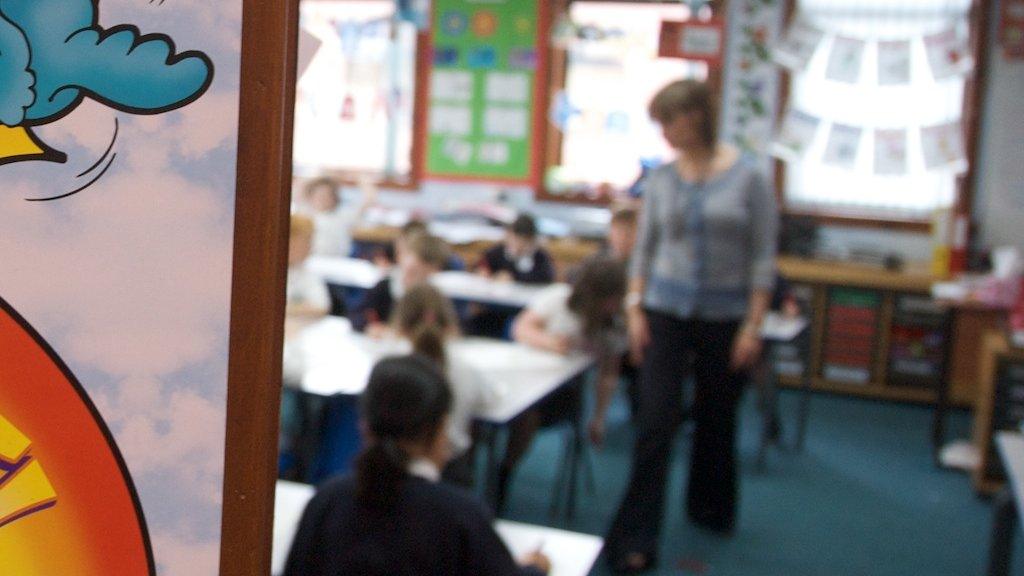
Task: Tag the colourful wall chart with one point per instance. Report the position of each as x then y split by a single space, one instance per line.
482 85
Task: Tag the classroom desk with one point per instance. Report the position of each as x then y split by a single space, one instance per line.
457 285
329 358
963 345
571 554
337 360
347 272
1007 510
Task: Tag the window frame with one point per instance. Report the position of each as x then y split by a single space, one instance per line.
557 76
419 113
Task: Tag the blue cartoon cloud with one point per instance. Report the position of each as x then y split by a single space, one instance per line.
71 57
16 81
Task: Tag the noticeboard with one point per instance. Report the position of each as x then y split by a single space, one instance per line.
486 61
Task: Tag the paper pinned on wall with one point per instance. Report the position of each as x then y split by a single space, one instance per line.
309 45
891 152
948 54
493 153
893 63
797 46
844 62
505 122
451 85
843 146
451 120
795 136
508 87
458 151
943 147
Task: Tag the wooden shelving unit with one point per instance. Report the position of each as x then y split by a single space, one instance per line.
852 309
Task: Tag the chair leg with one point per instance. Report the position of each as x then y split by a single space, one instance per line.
562 478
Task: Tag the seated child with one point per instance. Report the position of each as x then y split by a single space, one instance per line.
420 258
585 316
388 256
619 247
520 257
321 201
307 292
394 518
427 319
307 301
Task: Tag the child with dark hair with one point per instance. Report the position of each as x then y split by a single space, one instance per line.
520 257
393 518
420 258
585 316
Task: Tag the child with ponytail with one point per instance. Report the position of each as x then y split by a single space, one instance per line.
394 518
427 319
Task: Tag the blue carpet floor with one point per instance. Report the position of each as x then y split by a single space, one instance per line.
863 498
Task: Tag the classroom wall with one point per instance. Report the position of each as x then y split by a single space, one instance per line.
999 190
999 197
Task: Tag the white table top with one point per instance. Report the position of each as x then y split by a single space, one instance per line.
571 554
334 359
1011 450
460 285
351 272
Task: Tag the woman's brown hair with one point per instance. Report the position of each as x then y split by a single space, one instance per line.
683 97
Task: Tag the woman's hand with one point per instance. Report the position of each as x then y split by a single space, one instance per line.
377 330
639 334
537 560
746 348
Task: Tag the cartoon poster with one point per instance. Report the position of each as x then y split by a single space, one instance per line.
948 54
798 46
943 147
844 62
893 63
118 131
842 146
891 152
795 136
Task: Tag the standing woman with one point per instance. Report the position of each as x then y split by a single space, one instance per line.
700 282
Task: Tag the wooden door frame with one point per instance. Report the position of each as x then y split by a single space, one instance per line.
269 47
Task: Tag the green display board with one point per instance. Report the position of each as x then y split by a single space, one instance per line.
481 106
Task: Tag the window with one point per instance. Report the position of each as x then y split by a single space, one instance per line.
863 102
355 101
602 133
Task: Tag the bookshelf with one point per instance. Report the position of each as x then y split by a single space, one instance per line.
875 333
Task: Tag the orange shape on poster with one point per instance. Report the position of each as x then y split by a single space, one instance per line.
67 503
485 23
